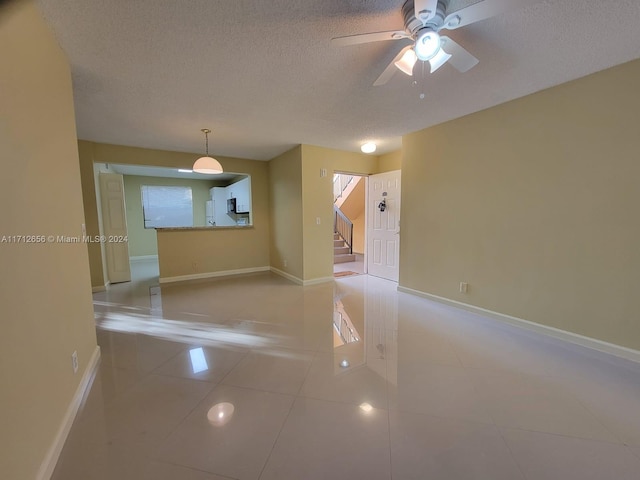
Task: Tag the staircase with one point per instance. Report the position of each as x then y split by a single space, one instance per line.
341 250
343 186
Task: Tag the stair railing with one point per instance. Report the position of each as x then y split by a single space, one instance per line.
343 227
340 182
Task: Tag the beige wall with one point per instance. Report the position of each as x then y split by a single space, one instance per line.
390 161
317 202
534 203
44 288
285 188
142 241
90 204
257 237
208 250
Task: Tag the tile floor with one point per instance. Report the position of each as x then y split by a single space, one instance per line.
357 266
254 377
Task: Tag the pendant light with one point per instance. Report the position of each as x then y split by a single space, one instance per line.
207 165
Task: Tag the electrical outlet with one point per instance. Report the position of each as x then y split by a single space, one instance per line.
317 220
74 362
285 262
194 265
464 287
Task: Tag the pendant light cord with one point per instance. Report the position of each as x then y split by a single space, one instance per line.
206 132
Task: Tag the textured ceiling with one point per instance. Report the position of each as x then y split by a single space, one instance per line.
263 76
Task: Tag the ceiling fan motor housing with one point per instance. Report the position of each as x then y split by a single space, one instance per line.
412 25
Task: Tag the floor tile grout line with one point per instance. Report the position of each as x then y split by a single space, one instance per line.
246 354
254 389
126 390
634 450
339 402
273 446
484 407
389 413
555 433
513 457
306 375
597 419
153 372
564 435
188 467
188 414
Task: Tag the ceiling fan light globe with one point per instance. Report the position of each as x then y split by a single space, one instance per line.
427 45
406 63
438 60
207 165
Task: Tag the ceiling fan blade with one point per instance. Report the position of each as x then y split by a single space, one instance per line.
368 37
425 9
461 59
481 10
391 69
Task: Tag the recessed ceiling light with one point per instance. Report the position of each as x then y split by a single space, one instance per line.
368 147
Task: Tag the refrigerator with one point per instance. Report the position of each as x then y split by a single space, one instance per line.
209 214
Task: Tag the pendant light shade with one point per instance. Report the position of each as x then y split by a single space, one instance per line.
207 165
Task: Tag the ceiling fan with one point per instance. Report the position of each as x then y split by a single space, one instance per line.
423 20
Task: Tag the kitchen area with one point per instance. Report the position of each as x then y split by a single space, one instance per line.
230 205
229 243
192 225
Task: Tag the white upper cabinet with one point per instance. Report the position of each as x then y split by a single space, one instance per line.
241 191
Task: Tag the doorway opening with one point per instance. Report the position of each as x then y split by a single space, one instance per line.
349 224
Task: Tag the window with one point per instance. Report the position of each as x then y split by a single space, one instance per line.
164 206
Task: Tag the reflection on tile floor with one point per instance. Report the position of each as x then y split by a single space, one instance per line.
254 377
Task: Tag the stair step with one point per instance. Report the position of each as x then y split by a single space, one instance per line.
336 236
340 250
338 243
349 257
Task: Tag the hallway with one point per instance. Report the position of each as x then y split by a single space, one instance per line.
252 377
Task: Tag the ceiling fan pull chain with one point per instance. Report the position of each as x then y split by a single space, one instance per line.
422 81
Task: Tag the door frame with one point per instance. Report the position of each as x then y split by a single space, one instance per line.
365 177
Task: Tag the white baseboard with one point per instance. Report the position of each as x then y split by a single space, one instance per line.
288 276
575 338
142 258
51 458
299 281
316 281
222 273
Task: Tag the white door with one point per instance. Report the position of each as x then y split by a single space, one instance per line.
383 225
114 223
